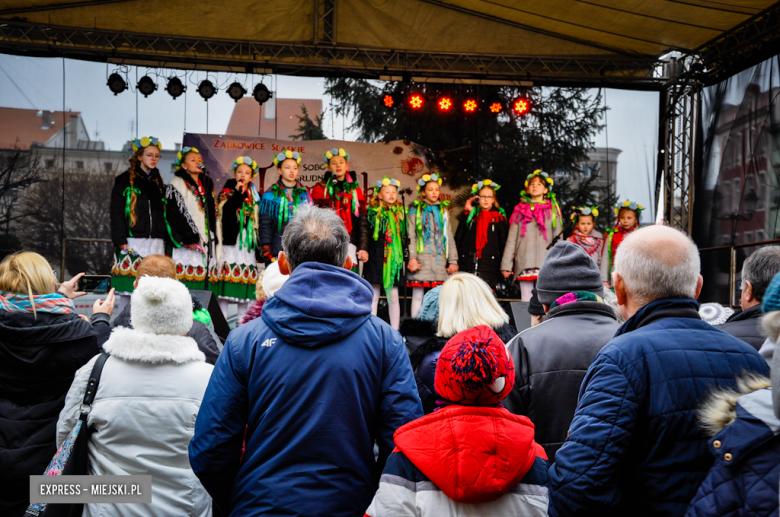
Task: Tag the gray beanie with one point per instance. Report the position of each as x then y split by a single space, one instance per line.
567 268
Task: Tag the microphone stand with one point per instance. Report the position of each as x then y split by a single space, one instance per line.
403 193
560 235
205 173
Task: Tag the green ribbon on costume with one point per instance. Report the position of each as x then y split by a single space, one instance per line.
608 244
245 239
165 216
420 205
477 210
332 190
284 204
390 221
128 193
418 226
554 207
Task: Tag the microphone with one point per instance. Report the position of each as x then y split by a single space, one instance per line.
406 191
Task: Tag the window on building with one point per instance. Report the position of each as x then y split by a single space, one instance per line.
49 164
760 236
108 166
762 190
726 203
736 195
749 237
80 165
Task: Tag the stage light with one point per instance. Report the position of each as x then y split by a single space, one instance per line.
496 107
116 83
146 86
236 91
175 87
445 104
206 89
470 106
261 93
521 106
416 101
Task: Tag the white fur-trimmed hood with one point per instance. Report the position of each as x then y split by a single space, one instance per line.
133 345
720 408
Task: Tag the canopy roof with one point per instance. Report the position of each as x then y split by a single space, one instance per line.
616 42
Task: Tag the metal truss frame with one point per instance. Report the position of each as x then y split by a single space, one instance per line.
321 58
678 131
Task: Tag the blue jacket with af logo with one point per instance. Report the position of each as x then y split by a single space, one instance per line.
313 383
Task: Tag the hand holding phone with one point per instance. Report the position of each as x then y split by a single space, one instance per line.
95 284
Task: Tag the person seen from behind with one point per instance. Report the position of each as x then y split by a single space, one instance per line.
465 301
160 266
42 344
553 357
312 384
634 444
147 399
471 457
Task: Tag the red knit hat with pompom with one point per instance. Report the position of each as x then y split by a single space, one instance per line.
474 368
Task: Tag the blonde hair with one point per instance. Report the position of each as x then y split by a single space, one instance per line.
466 301
26 273
158 266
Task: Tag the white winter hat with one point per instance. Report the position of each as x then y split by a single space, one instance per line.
161 306
273 279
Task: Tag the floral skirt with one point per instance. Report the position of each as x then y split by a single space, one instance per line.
191 268
126 262
236 274
528 275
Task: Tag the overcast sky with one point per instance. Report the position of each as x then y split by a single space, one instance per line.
37 83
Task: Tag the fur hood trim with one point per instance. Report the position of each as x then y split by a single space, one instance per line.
417 327
720 408
133 345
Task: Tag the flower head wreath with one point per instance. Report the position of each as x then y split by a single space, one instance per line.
427 178
630 205
286 154
183 154
584 210
476 187
335 152
546 179
245 160
386 181
146 141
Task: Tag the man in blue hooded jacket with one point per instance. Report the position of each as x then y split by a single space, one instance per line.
309 386
634 445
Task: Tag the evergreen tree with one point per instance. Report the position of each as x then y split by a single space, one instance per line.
309 129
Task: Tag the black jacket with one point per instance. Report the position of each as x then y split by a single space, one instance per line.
269 233
182 232
38 358
359 234
416 332
489 266
231 212
149 207
424 365
746 326
199 332
373 269
551 360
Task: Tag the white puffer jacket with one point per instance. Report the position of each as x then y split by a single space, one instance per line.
144 415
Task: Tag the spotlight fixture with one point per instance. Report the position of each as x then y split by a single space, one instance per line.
416 101
261 93
116 83
236 91
445 103
388 101
496 107
521 106
470 106
146 86
206 89
175 87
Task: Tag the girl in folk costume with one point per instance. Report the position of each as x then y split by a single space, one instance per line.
192 216
280 203
482 233
535 222
384 267
584 236
138 227
339 191
628 220
237 252
433 254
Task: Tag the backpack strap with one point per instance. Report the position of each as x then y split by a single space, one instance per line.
94 380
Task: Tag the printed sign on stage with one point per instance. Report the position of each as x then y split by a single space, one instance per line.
405 162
